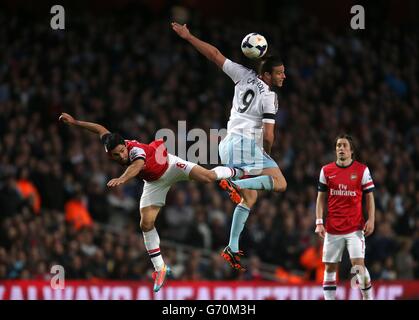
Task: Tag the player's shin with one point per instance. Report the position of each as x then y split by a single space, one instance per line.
364 281
257 183
152 244
329 285
240 215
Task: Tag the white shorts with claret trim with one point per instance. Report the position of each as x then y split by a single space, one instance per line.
334 244
155 192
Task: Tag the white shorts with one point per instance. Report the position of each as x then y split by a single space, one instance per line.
154 192
334 244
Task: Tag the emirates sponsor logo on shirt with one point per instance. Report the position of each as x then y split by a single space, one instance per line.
346 193
342 191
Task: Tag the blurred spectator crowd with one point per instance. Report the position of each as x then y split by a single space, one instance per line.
132 74
96 252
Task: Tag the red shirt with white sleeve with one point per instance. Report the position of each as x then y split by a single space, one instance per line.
154 156
344 187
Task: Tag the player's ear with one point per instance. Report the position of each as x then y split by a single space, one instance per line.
267 75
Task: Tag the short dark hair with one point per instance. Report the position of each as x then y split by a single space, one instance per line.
268 63
112 140
350 139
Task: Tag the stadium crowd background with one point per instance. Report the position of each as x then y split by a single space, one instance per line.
131 73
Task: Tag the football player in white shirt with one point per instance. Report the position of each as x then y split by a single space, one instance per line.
250 134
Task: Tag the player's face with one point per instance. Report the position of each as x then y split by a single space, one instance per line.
120 154
343 149
278 76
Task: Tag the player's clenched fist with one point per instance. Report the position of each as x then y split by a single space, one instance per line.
320 230
66 118
181 30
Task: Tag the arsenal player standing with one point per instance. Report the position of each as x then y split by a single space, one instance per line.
343 184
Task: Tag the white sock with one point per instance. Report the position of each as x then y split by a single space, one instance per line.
226 172
152 244
329 285
364 282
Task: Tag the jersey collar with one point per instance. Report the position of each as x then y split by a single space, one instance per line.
337 165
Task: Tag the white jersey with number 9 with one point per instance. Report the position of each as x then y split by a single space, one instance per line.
253 103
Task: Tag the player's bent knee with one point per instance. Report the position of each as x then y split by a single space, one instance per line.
280 184
331 267
146 225
358 262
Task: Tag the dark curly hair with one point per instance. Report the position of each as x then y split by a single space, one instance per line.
111 140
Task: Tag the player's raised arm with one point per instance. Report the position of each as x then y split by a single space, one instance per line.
208 50
90 126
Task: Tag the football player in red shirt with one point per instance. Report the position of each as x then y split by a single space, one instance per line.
159 170
342 184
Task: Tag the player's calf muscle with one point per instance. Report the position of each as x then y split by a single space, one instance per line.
202 175
249 197
209 176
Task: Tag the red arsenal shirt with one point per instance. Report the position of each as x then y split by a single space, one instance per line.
154 155
344 187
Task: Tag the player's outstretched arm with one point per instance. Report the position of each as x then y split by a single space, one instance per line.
90 126
208 50
132 171
321 199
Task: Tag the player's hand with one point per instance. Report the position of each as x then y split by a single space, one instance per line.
66 118
368 228
181 30
115 182
320 230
